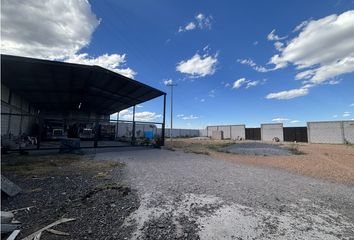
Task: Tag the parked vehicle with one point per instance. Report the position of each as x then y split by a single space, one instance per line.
87 133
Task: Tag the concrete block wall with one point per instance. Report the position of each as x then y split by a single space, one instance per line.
177 132
210 130
203 133
348 128
272 130
238 131
230 131
217 135
336 132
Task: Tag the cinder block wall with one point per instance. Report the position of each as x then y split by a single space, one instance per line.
238 131
178 132
203 133
229 131
272 130
336 132
348 127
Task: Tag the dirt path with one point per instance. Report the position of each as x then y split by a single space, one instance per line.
195 196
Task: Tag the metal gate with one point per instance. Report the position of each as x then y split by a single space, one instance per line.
298 134
253 134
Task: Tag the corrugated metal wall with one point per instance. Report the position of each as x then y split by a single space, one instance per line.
12 103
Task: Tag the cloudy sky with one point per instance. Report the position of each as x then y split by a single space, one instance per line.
233 62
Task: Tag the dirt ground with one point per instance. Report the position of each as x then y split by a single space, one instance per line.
69 186
327 161
187 193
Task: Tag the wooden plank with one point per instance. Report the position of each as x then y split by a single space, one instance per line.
7 227
13 235
8 187
39 232
6 217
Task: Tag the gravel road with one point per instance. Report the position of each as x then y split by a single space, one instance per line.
190 196
256 148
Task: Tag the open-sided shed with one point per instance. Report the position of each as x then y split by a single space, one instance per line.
66 90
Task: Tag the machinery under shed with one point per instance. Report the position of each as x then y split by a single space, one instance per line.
44 103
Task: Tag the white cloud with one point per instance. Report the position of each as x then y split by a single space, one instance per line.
202 100
248 62
111 62
252 84
346 114
352 105
168 82
243 81
273 37
334 82
190 26
204 21
255 43
253 65
200 21
278 46
127 114
190 117
212 93
335 116
238 83
300 26
323 49
282 120
180 115
51 29
279 119
55 30
289 94
198 66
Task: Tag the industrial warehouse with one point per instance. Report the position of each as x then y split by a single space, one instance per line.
45 103
145 120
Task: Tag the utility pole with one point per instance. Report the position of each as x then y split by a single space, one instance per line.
171 127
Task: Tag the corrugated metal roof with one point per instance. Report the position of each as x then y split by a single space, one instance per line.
59 86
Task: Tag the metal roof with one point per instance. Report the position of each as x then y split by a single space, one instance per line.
59 86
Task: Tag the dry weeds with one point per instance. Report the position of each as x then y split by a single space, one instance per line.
327 161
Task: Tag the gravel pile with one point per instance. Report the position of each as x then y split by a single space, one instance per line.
99 205
256 148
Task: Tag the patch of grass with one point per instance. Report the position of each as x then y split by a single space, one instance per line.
102 175
294 149
59 164
196 151
218 146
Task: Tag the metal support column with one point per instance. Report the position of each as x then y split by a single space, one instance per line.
133 133
117 126
164 121
96 136
39 130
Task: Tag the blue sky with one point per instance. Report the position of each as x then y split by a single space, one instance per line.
229 64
